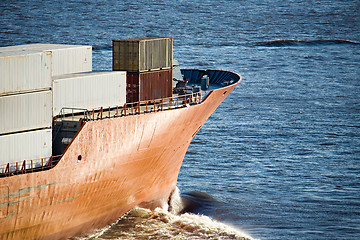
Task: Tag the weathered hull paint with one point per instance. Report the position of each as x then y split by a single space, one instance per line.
111 166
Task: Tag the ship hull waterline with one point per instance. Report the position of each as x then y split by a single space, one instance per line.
111 166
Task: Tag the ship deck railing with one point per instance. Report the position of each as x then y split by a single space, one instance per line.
28 166
141 107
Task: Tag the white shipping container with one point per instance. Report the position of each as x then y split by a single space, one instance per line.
25 146
66 58
25 111
22 71
71 59
89 90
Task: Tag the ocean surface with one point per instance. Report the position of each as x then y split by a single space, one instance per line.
280 158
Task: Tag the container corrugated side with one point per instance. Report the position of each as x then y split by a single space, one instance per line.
155 85
149 85
156 54
126 56
72 60
89 90
132 87
142 54
67 59
25 146
27 111
24 71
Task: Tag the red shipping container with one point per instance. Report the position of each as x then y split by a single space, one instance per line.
148 85
132 87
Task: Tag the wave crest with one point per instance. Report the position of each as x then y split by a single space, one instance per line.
295 42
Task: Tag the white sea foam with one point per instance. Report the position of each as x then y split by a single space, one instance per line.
143 223
176 203
166 223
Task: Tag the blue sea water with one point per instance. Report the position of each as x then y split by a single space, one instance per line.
280 158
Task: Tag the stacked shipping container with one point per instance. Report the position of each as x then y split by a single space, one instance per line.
24 71
25 104
149 85
89 90
36 82
65 58
142 54
148 62
24 112
32 145
26 98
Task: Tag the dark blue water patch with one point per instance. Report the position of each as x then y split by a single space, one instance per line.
295 42
203 203
106 47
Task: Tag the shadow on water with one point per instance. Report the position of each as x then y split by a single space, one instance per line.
295 42
198 202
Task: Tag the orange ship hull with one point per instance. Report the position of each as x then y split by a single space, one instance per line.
111 166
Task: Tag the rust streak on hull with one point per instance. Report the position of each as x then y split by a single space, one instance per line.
121 166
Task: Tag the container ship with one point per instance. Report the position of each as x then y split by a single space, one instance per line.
80 148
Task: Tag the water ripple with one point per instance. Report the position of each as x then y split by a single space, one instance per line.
295 42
